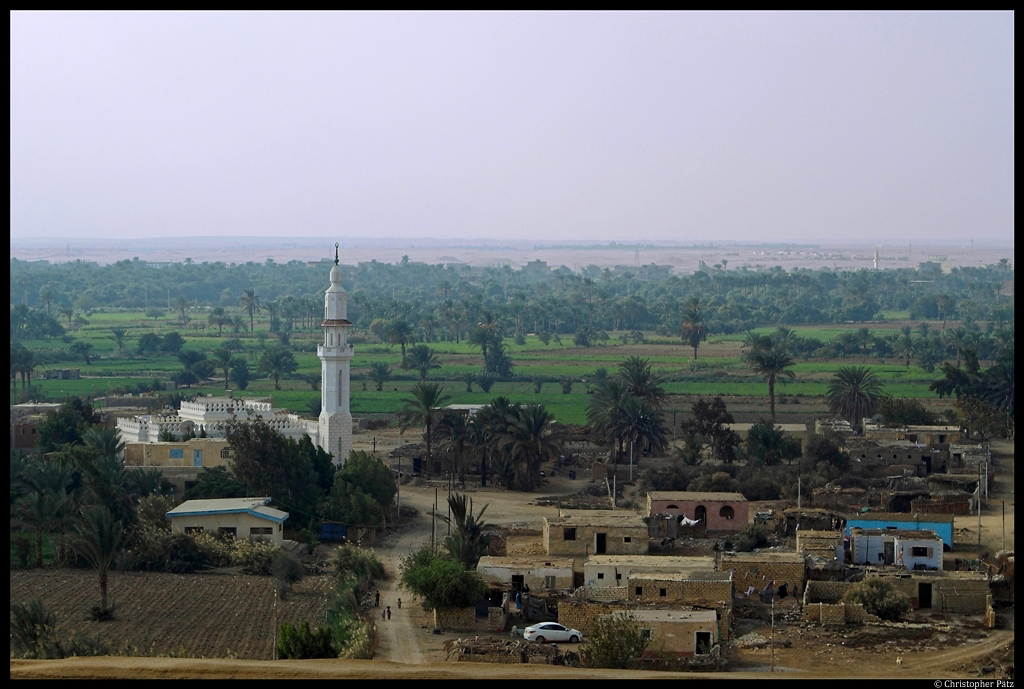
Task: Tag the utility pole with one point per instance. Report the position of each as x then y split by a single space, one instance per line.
1004 526
772 643
979 506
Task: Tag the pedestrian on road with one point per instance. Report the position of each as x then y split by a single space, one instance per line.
399 603
389 612
376 599
383 615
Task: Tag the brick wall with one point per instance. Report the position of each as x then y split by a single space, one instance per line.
457 619
938 506
747 573
584 616
496 618
692 592
837 614
825 592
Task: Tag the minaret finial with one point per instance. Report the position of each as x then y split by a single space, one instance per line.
335 253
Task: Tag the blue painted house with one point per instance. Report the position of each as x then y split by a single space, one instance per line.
941 524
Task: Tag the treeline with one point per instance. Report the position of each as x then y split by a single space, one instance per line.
448 301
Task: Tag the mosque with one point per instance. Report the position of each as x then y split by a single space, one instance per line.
206 416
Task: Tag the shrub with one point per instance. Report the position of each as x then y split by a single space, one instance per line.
617 641
34 635
253 555
302 643
566 383
363 566
485 381
287 571
752 536
879 597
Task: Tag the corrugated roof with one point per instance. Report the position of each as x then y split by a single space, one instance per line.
902 517
254 506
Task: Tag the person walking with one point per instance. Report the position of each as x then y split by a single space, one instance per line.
376 599
383 615
399 603
389 612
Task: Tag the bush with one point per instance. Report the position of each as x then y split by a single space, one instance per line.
34 635
287 571
362 566
485 381
617 641
879 597
302 643
752 536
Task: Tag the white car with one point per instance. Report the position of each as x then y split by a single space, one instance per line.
551 631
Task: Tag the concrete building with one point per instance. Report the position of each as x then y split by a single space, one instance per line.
540 574
595 532
239 517
195 452
924 435
615 570
915 550
941 524
720 512
335 425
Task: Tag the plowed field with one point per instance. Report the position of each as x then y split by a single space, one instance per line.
195 615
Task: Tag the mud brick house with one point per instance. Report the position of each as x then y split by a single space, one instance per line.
721 512
963 593
683 632
827 544
923 435
942 524
615 570
757 570
916 550
239 517
595 532
699 587
539 573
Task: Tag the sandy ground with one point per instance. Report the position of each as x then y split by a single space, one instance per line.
409 649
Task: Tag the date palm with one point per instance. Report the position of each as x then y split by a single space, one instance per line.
98 537
421 358
379 374
401 333
117 334
277 362
423 407
224 359
853 393
694 329
251 303
642 382
772 364
529 439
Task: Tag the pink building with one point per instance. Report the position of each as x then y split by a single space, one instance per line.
721 512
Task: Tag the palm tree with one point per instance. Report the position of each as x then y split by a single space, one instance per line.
223 358
468 379
456 429
642 382
68 312
379 374
957 338
853 393
98 538
277 362
694 328
604 410
47 295
219 319
82 349
905 344
117 334
46 500
772 365
251 303
469 542
529 439
422 408
181 304
423 359
640 425
401 333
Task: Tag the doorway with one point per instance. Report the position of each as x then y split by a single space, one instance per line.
702 643
517 583
924 595
701 514
890 552
602 544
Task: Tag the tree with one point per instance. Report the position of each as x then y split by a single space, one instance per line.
528 439
65 426
363 478
223 359
216 482
423 359
422 407
694 327
900 411
709 423
469 542
240 372
853 393
46 501
98 537
642 382
768 445
879 597
251 303
82 349
617 641
118 336
442 583
149 343
379 374
772 364
277 362
218 319
401 333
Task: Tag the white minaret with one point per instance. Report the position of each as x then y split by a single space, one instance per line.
335 356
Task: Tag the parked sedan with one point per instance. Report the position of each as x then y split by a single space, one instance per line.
552 631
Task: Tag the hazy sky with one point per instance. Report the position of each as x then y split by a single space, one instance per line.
555 126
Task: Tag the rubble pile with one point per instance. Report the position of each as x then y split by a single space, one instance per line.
497 650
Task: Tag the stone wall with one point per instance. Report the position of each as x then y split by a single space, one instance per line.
960 506
837 614
584 615
825 592
496 619
689 591
747 572
456 619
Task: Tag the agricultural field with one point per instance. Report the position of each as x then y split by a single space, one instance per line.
156 613
718 370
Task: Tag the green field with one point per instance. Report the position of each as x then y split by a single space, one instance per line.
719 368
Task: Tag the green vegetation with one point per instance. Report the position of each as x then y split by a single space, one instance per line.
879 597
617 641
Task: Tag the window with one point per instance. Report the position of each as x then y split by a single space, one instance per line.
176 453
225 453
618 575
920 551
600 575
639 590
569 534
727 512
261 530
549 582
663 592
627 539
672 507
228 530
193 529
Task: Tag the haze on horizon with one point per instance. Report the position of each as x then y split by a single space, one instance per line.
685 127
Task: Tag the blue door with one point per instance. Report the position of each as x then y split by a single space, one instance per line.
197 458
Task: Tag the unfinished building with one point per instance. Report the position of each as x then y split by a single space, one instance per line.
595 532
614 570
518 573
